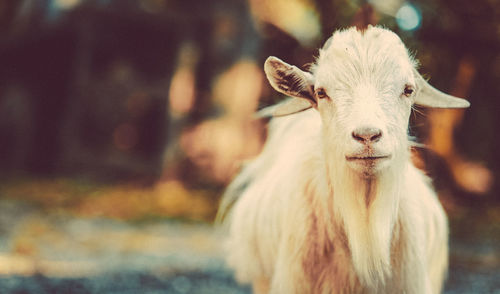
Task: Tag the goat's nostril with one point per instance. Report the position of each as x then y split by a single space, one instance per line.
367 135
376 136
357 137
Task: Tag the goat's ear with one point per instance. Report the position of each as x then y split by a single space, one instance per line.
291 81
431 97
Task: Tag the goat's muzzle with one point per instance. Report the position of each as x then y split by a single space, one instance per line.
367 135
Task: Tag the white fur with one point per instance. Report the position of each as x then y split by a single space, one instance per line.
309 221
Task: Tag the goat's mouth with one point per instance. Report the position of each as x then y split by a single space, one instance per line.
367 158
368 165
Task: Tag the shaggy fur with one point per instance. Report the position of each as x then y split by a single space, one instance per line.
308 218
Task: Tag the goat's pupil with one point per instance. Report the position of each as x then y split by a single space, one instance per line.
321 93
408 91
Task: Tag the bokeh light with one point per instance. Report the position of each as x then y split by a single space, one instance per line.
408 17
66 4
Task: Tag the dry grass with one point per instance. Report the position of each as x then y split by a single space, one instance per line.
125 202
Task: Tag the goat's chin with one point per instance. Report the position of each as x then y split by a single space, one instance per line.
370 167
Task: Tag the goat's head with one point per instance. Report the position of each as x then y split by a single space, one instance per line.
363 85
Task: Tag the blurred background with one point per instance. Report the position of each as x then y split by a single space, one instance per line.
121 122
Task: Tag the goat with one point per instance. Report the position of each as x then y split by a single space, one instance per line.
333 204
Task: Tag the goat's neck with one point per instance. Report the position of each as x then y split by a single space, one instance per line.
367 210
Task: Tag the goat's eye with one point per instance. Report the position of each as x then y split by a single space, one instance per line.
408 91
321 93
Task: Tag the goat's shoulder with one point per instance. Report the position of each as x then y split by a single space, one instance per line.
290 157
288 166
419 193
421 209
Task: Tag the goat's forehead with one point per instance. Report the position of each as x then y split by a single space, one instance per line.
372 40
374 49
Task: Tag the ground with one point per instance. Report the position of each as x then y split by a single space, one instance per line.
54 252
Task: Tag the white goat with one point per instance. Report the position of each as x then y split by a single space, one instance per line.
333 204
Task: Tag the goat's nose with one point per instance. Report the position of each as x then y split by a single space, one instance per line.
367 135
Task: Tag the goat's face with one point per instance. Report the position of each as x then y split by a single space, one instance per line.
363 90
363 85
